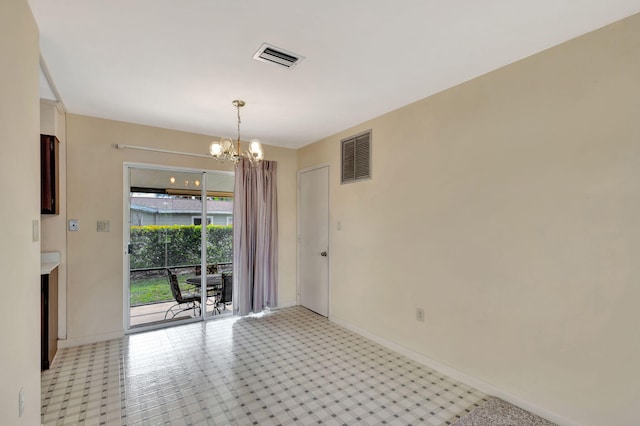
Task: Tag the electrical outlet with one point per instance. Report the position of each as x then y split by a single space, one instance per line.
73 225
420 314
20 403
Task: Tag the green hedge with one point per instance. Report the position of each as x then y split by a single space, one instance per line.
156 246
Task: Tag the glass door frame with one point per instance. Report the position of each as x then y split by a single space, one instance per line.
127 166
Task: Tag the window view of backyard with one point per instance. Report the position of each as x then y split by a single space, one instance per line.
164 242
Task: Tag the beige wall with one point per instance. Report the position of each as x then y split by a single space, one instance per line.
20 206
95 192
508 208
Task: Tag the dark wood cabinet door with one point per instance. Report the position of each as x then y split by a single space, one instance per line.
48 318
49 175
44 322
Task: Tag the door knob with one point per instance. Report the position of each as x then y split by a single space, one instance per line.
324 253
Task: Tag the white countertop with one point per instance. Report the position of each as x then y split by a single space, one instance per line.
49 260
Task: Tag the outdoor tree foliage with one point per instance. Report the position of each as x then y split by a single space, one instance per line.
178 245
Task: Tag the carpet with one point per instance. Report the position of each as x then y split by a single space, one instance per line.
496 412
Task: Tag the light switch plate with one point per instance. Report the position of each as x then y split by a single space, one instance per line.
20 402
103 226
35 230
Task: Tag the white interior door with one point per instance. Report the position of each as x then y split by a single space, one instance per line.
314 239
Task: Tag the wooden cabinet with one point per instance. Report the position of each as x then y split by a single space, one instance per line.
48 318
49 175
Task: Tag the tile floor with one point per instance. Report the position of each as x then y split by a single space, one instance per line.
84 386
287 367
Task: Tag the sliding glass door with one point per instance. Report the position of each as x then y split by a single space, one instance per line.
175 243
219 248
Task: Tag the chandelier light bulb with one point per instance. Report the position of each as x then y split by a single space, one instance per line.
226 145
215 149
255 147
172 179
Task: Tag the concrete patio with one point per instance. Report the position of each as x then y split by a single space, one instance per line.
154 313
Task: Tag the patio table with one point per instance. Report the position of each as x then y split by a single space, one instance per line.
214 287
213 281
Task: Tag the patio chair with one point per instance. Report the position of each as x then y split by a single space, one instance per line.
227 290
184 302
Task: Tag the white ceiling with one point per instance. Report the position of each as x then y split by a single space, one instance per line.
179 64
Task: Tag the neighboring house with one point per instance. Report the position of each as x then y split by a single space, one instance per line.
179 211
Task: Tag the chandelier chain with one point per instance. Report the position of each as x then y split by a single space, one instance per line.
238 109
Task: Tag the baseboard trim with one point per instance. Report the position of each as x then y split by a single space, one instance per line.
79 341
458 375
285 304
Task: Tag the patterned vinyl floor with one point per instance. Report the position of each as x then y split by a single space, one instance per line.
288 367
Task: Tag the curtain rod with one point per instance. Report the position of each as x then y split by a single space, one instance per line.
165 151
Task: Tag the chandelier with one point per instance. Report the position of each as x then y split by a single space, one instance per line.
226 150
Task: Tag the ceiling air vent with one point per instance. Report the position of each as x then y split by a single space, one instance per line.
276 55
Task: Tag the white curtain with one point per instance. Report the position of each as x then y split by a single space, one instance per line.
255 237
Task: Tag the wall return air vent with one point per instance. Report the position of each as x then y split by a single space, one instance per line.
277 55
356 157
